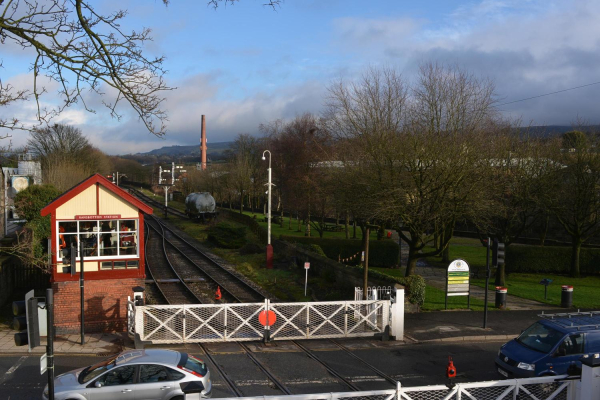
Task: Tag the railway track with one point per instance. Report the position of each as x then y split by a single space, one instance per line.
155 203
183 274
170 284
194 264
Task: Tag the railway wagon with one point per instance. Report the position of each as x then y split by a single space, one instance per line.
200 205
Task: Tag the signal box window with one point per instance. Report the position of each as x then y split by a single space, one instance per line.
110 239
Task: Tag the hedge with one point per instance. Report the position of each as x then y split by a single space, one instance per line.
550 259
382 253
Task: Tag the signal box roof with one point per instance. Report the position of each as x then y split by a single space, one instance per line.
83 185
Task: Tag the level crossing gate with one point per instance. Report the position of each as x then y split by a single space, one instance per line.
240 322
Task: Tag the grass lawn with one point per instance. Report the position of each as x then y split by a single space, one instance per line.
586 291
292 229
435 298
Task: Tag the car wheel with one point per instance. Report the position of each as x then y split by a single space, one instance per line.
177 398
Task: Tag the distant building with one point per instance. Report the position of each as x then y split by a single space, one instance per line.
28 172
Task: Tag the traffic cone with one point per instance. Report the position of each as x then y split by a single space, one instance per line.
218 293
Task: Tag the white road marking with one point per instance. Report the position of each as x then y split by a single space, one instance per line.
13 369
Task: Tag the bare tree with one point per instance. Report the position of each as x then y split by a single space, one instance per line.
574 199
82 50
66 155
243 160
417 153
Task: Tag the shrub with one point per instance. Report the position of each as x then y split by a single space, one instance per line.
315 248
227 236
550 259
251 248
382 253
415 289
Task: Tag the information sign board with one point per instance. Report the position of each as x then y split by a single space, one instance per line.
457 280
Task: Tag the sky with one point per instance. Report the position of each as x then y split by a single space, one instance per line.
247 64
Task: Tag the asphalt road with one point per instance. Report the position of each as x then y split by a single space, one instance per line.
412 365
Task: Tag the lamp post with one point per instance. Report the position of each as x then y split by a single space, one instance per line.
269 247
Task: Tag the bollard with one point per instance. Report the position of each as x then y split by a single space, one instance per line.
566 298
501 296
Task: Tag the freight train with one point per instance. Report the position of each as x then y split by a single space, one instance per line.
200 205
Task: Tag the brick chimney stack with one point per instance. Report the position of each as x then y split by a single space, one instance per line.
203 143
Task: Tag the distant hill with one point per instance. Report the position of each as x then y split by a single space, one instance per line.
179 151
216 150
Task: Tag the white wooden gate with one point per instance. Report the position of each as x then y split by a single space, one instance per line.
240 322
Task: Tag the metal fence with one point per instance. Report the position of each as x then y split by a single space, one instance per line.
546 388
374 293
240 322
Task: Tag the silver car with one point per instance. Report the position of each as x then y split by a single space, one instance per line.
134 374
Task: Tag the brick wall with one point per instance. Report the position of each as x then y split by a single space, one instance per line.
105 305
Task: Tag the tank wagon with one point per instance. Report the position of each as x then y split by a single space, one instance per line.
200 205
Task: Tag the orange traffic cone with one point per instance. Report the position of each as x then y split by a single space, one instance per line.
218 294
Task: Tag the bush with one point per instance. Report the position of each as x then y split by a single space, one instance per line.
251 248
315 248
415 291
227 236
550 260
382 253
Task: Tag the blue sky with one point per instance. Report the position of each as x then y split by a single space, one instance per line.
247 64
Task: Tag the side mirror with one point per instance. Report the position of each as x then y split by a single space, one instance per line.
98 384
561 352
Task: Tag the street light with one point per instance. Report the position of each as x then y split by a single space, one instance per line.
269 247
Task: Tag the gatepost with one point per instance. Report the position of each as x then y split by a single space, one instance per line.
397 320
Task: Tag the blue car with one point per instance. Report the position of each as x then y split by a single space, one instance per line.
554 345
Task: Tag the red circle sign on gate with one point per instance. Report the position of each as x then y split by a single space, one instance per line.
262 318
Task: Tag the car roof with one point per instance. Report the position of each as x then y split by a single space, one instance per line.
569 322
148 356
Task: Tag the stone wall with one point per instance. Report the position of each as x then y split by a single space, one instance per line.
105 305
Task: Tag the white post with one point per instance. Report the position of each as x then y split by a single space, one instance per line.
173 173
397 322
305 281
269 210
159 174
590 377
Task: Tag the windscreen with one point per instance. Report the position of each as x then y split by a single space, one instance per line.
97 369
540 337
196 365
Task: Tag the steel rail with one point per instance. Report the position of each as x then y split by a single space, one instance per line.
157 203
185 294
370 366
264 369
216 269
327 367
147 266
232 386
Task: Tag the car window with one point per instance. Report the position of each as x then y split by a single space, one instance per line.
153 373
593 342
175 375
118 376
196 365
572 344
540 337
95 370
